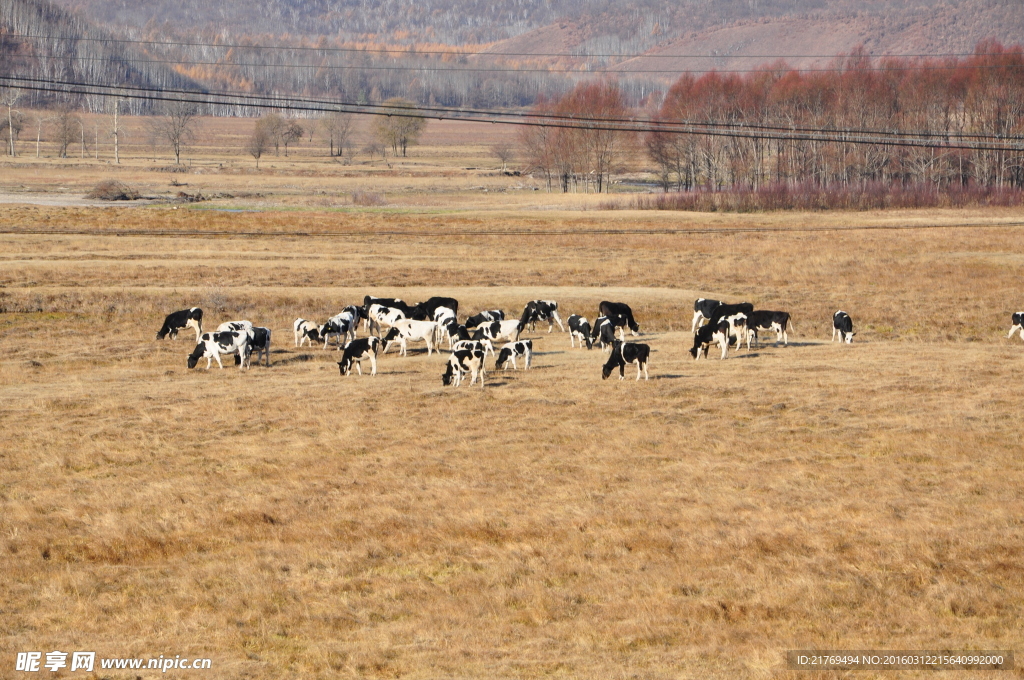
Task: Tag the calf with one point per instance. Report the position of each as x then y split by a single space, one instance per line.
410 329
540 310
213 345
356 351
454 332
460 363
186 318
627 353
343 325
305 332
485 317
779 322
579 329
842 324
703 308
333 329
523 348
1018 325
498 330
611 309
427 311
708 335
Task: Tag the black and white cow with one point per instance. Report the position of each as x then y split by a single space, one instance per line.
498 330
763 320
260 344
454 332
703 308
405 330
485 317
427 310
843 325
579 329
213 345
460 363
186 318
709 335
540 310
1018 325
391 303
235 326
627 353
485 346
382 315
356 351
523 348
342 326
305 332
332 329
611 309
606 329
738 328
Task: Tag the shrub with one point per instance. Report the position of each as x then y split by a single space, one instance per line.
112 190
362 197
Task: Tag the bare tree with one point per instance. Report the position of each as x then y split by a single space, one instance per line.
116 132
338 128
259 142
9 98
65 127
504 152
399 131
290 132
178 127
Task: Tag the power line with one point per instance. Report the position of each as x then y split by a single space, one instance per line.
928 139
486 53
623 71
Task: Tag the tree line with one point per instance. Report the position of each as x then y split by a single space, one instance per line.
974 101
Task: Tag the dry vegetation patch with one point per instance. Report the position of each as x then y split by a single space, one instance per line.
289 521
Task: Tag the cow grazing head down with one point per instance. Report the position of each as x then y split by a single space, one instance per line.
843 325
627 353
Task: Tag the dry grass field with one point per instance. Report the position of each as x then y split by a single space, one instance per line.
286 522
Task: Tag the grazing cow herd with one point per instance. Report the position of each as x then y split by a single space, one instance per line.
435 321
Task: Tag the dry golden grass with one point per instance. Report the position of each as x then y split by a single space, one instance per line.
287 522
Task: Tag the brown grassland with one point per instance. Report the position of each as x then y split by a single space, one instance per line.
290 523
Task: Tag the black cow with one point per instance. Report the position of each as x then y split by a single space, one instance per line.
485 317
186 318
540 310
1018 325
709 334
762 320
703 308
387 302
356 351
842 324
579 329
723 310
627 353
611 309
424 311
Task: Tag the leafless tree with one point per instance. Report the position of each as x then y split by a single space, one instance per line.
504 152
399 131
9 97
290 132
258 142
178 127
337 128
65 129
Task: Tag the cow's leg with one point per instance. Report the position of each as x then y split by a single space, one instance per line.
217 357
359 366
697 316
834 329
373 364
529 358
